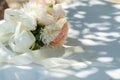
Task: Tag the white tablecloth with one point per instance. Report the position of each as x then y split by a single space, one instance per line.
95 26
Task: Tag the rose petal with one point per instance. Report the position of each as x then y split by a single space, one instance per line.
61 37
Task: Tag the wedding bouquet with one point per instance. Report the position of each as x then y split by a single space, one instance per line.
36 24
35 33
28 33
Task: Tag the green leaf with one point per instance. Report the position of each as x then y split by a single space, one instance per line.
51 6
37 33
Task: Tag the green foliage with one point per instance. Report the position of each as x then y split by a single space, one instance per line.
51 6
38 43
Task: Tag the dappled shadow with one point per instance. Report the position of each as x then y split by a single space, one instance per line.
95 26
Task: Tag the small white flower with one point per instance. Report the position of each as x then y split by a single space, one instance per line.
21 41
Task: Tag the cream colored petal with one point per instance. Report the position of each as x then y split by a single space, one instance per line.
22 42
59 12
26 39
5 38
6 30
12 15
45 18
15 16
28 22
49 33
6 27
61 1
60 23
32 8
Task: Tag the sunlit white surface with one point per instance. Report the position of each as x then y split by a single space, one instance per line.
96 2
86 73
117 18
105 59
89 42
115 74
80 65
117 6
105 17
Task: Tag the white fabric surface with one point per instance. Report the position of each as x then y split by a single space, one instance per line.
95 26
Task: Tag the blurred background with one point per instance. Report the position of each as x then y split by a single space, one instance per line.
9 3
15 3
